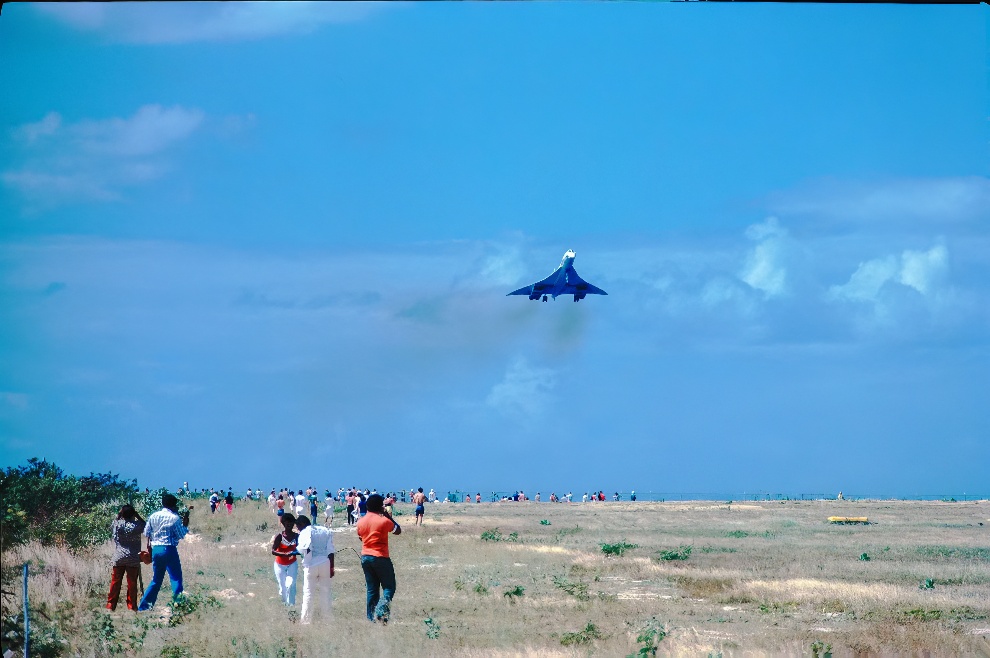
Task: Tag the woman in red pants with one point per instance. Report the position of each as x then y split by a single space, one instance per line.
126 533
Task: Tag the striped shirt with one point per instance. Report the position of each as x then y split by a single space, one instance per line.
165 528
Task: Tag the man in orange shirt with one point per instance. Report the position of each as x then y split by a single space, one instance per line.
373 529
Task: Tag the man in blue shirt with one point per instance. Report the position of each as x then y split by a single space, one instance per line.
164 530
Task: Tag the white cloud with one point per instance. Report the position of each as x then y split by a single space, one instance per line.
938 200
866 281
922 271
503 268
186 22
94 160
763 269
30 132
151 130
524 391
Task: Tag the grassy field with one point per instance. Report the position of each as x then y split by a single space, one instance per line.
698 579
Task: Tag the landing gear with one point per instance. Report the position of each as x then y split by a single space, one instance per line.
544 298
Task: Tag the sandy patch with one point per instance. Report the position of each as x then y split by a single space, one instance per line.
808 589
557 550
228 594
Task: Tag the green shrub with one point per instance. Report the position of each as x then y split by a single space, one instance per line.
514 593
578 590
649 638
492 535
618 549
41 502
821 649
681 553
46 640
544 522
432 628
585 636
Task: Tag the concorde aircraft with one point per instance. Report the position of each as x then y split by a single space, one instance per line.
563 281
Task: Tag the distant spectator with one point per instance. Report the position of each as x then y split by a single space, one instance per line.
214 501
229 501
126 534
419 499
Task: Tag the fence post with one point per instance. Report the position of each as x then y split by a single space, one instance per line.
27 620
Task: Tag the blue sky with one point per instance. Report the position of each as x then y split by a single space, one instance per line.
269 244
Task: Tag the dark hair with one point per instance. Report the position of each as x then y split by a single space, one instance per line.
376 503
170 502
127 512
287 520
302 522
421 490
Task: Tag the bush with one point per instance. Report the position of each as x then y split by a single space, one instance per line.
584 636
681 553
41 503
578 590
649 638
617 549
46 641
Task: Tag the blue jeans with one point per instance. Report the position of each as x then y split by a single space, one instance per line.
378 572
163 558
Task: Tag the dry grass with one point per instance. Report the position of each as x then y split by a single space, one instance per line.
762 578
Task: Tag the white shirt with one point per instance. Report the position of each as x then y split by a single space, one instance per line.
300 502
319 541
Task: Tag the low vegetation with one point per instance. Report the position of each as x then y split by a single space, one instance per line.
760 578
617 549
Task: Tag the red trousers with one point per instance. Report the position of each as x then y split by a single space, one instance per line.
116 578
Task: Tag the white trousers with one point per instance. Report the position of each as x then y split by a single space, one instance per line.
316 582
286 577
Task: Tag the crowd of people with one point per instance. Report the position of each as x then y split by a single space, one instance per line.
299 542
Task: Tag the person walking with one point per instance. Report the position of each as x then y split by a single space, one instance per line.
126 534
164 530
286 567
379 574
228 500
315 544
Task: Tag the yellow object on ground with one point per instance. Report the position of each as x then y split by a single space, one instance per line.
848 519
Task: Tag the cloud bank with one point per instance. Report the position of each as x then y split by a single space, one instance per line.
187 22
97 159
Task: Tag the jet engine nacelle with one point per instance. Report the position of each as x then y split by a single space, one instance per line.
534 295
578 296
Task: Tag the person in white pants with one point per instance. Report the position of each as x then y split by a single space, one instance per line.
286 567
316 546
